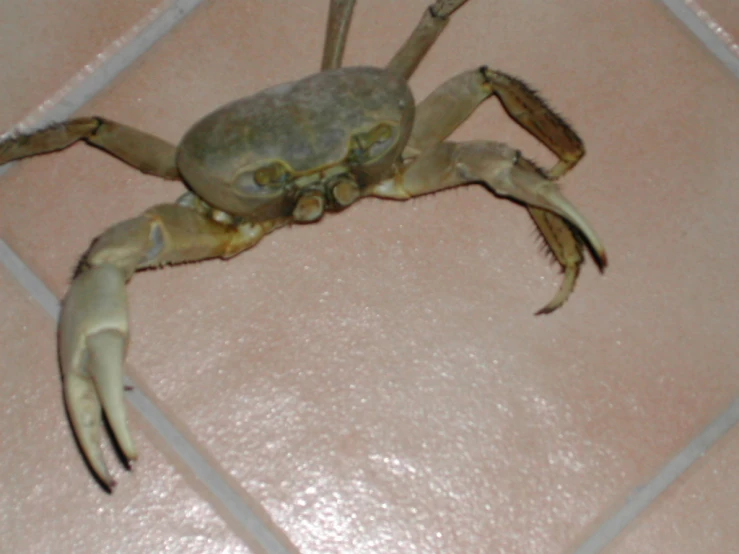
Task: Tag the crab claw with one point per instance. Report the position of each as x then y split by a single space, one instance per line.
93 335
533 189
568 285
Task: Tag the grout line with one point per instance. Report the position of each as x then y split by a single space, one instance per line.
30 281
189 454
76 93
97 75
701 28
643 497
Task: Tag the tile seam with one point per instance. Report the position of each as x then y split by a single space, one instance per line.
642 497
107 65
720 50
98 74
81 89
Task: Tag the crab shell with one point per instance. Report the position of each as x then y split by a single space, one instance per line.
307 126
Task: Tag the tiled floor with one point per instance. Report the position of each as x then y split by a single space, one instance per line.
377 382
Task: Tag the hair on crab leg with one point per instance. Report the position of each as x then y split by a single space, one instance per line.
502 170
554 200
505 172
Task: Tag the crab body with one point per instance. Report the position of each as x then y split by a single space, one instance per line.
288 154
255 157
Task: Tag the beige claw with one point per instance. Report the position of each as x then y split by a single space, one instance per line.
555 201
534 190
568 285
548 196
566 247
93 335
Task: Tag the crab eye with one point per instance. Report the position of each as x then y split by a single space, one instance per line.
270 180
368 146
272 175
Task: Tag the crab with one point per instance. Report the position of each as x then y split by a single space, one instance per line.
287 155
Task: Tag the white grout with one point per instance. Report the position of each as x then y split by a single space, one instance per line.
96 77
35 286
108 64
643 496
700 24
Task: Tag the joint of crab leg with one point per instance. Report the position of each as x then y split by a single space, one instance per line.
54 137
93 333
552 199
506 173
93 326
445 8
432 23
516 179
535 116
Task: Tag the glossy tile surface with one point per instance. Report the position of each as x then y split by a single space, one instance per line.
378 382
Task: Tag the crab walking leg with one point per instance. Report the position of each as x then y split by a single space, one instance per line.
93 328
433 21
337 29
501 169
454 101
567 249
565 245
145 152
447 107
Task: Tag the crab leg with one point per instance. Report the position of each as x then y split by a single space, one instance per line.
337 29
93 328
565 244
433 21
453 102
502 170
145 152
447 107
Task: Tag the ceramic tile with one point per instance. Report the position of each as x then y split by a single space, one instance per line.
697 514
378 381
724 13
44 44
50 503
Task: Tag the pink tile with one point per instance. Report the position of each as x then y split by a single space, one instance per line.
378 381
50 503
44 44
697 514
